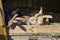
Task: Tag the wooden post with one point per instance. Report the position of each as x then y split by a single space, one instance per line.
3 35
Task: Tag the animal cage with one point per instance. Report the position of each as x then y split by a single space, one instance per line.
30 20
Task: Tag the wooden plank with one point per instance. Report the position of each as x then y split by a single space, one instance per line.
36 29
